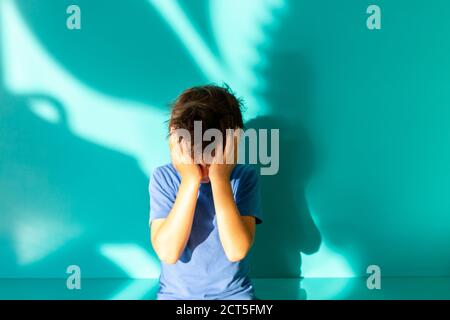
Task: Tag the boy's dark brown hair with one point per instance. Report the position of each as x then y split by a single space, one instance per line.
216 106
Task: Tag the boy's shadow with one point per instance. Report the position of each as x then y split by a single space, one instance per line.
288 228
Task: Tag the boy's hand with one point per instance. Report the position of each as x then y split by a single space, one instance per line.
182 160
223 165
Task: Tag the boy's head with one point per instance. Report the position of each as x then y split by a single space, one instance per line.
215 106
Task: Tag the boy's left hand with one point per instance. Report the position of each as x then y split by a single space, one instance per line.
223 165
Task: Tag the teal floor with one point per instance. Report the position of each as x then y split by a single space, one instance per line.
309 288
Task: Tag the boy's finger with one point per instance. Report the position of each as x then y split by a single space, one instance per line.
229 147
175 149
185 152
172 140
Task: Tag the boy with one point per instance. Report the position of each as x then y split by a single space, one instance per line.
203 213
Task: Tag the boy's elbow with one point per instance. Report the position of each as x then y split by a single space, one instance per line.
166 255
168 258
237 255
235 258
238 251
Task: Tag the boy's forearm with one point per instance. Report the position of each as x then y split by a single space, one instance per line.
172 236
235 236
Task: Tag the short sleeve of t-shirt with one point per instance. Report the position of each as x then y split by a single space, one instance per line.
247 193
163 192
165 180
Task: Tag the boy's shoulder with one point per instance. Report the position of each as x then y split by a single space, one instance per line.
244 171
168 167
166 172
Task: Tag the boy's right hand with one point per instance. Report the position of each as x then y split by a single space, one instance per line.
182 160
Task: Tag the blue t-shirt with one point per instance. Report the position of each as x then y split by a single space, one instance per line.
203 270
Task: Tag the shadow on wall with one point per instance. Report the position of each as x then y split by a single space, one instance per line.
82 183
131 57
288 229
56 188
70 187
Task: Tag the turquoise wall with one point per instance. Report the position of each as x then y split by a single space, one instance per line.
363 115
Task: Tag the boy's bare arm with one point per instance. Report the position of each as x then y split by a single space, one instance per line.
169 236
236 232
